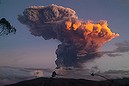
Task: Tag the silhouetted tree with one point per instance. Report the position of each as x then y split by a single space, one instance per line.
6 28
53 74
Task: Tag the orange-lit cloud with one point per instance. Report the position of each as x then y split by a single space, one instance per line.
80 40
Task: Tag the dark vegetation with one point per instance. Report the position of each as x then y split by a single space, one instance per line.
6 28
71 82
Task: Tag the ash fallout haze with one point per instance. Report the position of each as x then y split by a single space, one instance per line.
66 33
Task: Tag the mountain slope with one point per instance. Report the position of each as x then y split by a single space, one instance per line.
71 82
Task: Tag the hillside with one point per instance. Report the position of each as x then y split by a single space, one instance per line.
71 82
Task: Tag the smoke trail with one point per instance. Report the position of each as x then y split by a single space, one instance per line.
79 40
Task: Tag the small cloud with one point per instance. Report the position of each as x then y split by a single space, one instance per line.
113 54
95 69
120 49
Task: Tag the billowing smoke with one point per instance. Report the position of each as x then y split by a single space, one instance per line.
79 40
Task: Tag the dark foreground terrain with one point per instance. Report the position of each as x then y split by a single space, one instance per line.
71 82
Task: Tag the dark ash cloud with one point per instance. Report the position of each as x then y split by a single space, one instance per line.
80 40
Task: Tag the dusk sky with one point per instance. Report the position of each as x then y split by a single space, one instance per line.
25 50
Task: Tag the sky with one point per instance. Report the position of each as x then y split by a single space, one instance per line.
25 50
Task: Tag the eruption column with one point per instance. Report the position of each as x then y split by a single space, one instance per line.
79 40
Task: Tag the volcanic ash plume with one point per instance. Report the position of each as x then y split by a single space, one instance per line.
79 40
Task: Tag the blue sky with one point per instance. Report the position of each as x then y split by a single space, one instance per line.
25 50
